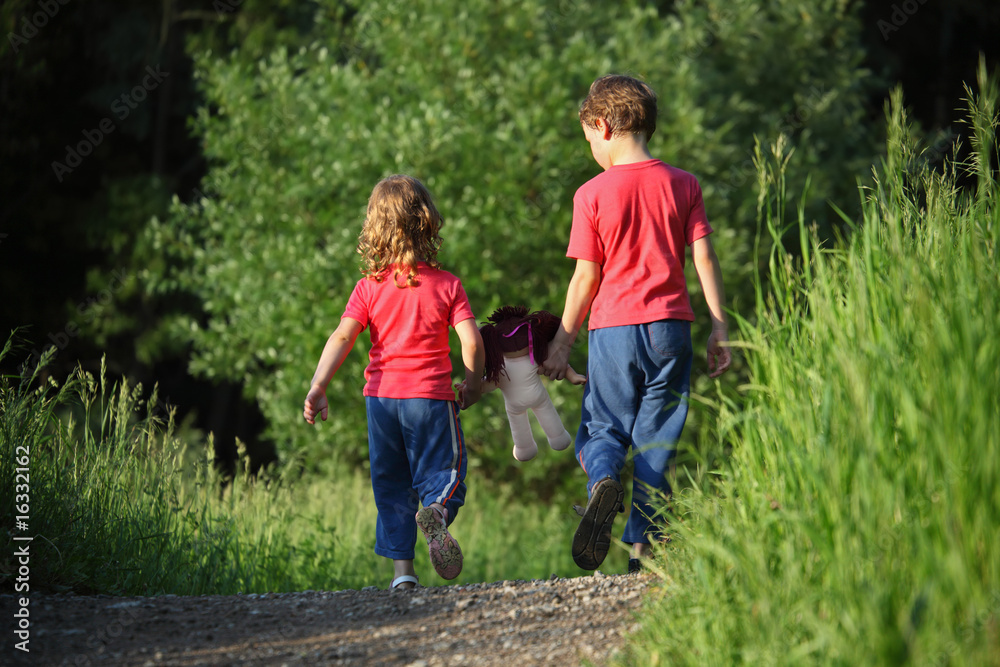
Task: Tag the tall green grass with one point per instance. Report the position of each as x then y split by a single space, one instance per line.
118 504
858 518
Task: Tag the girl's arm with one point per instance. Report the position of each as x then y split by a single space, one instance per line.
474 356
338 345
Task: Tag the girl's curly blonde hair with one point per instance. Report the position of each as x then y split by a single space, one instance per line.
402 227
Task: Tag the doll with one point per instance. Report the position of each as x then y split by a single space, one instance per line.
516 342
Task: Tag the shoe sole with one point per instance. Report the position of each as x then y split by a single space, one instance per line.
446 555
593 536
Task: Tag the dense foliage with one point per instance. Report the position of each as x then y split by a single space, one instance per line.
480 103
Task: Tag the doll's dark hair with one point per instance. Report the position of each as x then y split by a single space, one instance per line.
512 328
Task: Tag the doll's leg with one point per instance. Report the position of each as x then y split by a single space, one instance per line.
525 447
550 422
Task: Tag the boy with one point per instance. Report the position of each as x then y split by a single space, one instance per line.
630 228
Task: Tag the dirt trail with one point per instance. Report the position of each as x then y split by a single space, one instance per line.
541 622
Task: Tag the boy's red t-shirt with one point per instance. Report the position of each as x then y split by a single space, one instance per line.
409 355
636 221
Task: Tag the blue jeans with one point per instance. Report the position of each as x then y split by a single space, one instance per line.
417 454
636 397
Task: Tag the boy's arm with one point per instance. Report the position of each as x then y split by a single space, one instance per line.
582 290
706 265
474 356
337 346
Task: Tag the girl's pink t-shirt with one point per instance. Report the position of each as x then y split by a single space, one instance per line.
636 221
409 356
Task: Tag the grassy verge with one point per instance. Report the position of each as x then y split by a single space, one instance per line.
118 505
856 520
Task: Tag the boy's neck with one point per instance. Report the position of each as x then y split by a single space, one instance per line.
628 149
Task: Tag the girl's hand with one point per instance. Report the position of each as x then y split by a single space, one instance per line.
466 397
316 403
556 364
574 377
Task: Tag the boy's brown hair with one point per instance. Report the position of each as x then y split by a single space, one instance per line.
402 227
627 104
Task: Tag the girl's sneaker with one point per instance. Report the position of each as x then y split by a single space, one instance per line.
446 555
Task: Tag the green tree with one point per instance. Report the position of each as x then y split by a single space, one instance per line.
479 101
95 138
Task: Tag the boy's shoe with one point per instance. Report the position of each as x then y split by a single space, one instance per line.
593 536
446 555
634 565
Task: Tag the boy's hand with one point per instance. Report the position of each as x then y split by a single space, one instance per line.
316 403
720 356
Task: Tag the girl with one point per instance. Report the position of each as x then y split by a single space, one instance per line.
415 441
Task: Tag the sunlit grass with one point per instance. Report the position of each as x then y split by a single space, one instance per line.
119 505
855 521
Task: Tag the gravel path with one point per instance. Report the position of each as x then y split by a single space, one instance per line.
510 623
